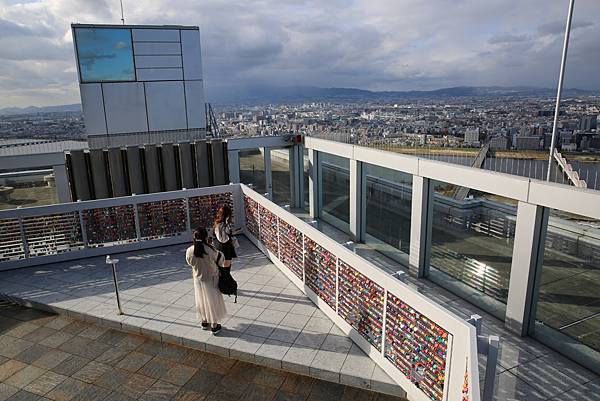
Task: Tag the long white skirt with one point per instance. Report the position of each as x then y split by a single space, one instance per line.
210 305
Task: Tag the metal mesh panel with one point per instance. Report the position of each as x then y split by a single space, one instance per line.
268 230
110 225
320 271
53 234
162 218
360 303
417 346
11 245
203 209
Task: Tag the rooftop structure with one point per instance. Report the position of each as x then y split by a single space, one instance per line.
140 80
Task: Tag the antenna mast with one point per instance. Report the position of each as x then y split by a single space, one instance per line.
122 17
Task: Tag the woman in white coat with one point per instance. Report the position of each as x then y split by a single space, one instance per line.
204 259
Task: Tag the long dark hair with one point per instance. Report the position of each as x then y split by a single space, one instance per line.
223 214
200 236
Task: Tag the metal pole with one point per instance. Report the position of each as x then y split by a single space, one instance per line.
560 85
122 16
114 262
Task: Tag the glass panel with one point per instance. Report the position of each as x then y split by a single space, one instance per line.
27 188
252 169
388 208
472 242
306 178
105 54
280 173
335 197
569 302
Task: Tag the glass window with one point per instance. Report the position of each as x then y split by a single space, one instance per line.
472 243
280 174
388 208
335 196
568 302
306 175
27 188
104 54
252 169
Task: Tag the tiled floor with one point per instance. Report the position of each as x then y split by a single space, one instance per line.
50 357
272 324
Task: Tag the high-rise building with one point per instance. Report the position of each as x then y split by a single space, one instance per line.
140 84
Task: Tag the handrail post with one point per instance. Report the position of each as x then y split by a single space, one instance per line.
113 262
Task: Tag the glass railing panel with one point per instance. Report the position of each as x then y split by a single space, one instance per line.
472 244
568 302
335 196
252 169
27 189
280 175
388 211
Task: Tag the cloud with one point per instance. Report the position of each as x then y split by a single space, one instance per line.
372 44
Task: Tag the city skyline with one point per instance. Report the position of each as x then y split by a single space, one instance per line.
338 44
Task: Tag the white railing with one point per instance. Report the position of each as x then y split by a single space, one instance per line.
47 234
427 350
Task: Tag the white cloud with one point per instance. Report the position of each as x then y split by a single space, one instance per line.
374 44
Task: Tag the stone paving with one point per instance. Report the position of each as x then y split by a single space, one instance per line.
55 357
272 324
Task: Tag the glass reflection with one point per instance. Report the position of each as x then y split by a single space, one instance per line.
104 54
335 197
252 169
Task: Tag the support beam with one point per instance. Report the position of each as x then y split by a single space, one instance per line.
314 183
420 226
357 200
528 252
296 176
268 172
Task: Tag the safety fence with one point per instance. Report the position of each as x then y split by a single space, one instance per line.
46 234
427 350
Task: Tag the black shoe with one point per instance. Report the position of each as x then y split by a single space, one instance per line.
216 329
205 326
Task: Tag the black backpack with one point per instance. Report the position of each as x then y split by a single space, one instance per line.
227 284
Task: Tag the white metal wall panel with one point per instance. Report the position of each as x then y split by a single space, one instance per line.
166 106
92 105
156 49
155 35
192 60
125 107
196 112
158 61
159 74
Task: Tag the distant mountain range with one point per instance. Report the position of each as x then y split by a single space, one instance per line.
46 109
262 94
294 94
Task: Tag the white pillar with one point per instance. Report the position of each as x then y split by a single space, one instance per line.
420 226
61 180
528 252
268 173
357 200
314 183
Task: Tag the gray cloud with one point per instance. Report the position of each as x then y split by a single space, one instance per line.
373 44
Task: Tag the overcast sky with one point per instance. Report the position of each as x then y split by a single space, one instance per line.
370 44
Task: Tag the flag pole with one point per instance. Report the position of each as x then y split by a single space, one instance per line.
560 87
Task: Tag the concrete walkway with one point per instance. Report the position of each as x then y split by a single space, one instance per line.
272 324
